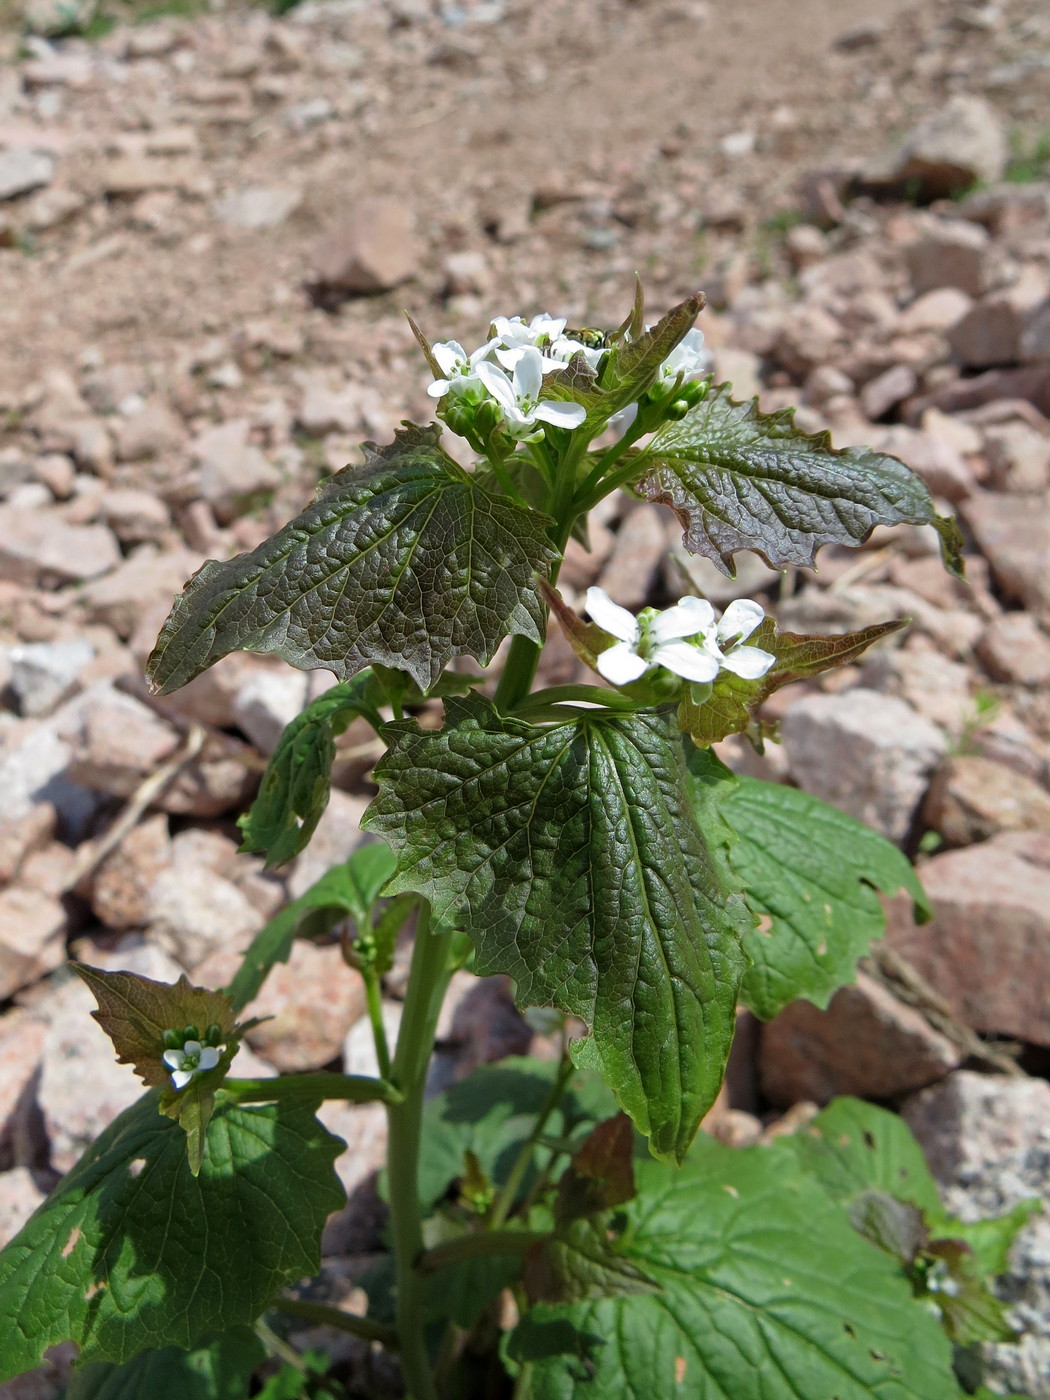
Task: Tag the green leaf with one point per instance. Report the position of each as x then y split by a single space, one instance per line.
405 561
765 1292
131 1251
741 479
853 1147
811 874
217 1370
490 1115
298 780
989 1241
350 888
579 1262
571 857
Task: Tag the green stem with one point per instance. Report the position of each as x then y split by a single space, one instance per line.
311 1088
483 1245
327 1316
505 1200
427 982
374 994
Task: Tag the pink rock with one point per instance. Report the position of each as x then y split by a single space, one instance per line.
987 950
21 1042
142 580
1013 533
950 255
120 890
32 937
866 1042
40 549
370 249
972 798
1013 648
19 1198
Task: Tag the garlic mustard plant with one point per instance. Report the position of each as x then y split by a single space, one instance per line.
559 1228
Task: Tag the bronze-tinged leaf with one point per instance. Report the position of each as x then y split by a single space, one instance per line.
136 1011
601 1173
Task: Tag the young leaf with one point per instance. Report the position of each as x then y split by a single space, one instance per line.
571 856
296 785
132 1251
740 479
764 1290
601 1173
733 703
350 888
811 874
405 561
142 1016
216 1370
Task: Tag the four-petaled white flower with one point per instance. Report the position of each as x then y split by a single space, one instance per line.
687 358
461 369
513 334
193 1058
518 395
659 639
564 348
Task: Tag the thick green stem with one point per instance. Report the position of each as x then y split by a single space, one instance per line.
427 983
311 1088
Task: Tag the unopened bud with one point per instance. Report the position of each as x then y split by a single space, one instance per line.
487 419
173 1040
677 410
190 1033
213 1035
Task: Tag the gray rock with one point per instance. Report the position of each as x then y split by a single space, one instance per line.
44 674
869 754
19 1198
23 170
866 1042
987 1140
233 472
33 770
267 702
135 517
195 910
258 206
39 549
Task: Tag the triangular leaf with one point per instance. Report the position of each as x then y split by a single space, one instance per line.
295 788
405 561
571 856
811 874
132 1251
764 1290
741 479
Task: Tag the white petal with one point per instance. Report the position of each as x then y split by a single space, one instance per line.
192 1047
439 388
739 620
610 617
688 617
482 351
497 382
561 415
748 662
620 422
181 1077
173 1058
528 373
546 325
209 1057
691 663
449 355
621 665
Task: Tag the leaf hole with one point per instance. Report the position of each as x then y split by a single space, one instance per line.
869 1140
822 949
732 1192
679 1370
765 925
876 1355
135 1167
849 1331
71 1243
92 1289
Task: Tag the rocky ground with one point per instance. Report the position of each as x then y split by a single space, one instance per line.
209 229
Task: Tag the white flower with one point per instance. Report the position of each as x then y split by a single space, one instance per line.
687 358
654 639
658 639
519 396
564 348
513 334
459 367
193 1058
736 624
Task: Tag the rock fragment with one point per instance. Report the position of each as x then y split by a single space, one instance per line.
371 248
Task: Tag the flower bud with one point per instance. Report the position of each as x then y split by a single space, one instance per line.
677 410
213 1035
190 1033
487 419
173 1040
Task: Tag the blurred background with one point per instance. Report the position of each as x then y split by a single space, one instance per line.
211 223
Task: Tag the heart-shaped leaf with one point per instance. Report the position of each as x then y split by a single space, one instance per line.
571 856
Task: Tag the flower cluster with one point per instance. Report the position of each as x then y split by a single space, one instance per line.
684 639
186 1055
508 372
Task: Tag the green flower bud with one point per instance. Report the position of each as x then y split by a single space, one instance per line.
677 410
213 1035
487 418
173 1040
190 1033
